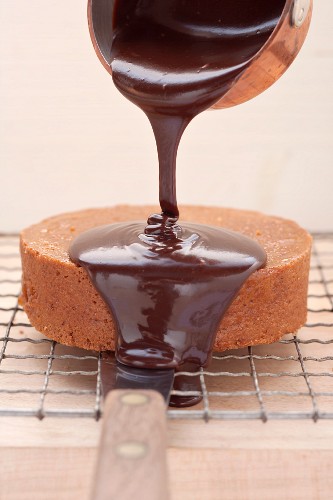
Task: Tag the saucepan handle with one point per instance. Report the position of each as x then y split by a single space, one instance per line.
131 463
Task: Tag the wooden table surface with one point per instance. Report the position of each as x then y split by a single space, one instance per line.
55 459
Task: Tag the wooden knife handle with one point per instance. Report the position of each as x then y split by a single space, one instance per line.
131 464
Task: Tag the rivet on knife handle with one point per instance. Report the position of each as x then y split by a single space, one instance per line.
132 453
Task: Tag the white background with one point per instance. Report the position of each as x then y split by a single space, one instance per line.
69 140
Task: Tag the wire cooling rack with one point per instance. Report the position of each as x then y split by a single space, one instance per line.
291 379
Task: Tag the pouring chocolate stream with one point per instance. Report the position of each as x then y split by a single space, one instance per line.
168 285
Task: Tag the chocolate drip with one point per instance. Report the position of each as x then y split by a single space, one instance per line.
168 286
168 131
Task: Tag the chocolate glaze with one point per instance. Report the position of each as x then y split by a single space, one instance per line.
167 289
169 286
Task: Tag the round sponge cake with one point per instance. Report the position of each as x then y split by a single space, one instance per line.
61 302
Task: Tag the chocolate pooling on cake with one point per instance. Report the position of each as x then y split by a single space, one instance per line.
167 288
168 285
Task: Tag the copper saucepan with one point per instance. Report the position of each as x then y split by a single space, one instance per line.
265 68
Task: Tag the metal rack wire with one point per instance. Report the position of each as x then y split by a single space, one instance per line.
292 379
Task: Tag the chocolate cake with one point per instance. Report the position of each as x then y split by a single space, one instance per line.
62 303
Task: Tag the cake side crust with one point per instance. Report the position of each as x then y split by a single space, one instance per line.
62 303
